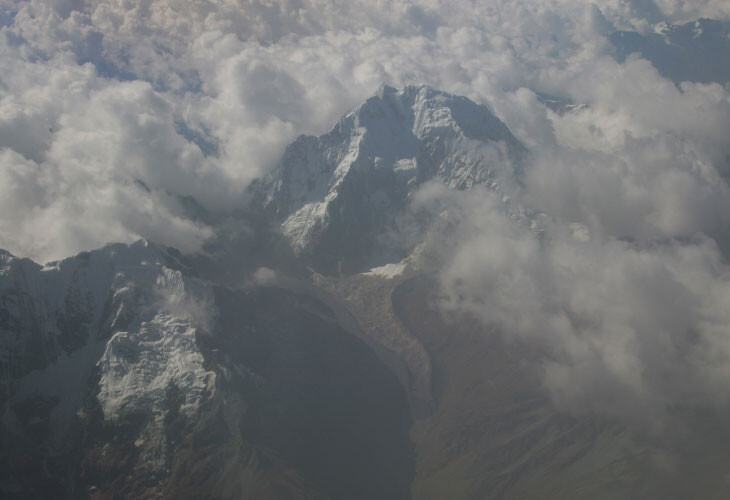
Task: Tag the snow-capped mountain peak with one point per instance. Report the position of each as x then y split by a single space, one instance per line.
331 194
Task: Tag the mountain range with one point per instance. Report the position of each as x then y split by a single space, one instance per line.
326 370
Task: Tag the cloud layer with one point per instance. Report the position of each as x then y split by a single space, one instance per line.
113 114
125 108
633 329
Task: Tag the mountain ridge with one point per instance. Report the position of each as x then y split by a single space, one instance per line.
135 371
334 196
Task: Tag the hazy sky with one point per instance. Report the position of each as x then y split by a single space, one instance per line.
112 111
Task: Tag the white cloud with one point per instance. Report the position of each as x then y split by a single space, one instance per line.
629 329
111 112
681 11
79 157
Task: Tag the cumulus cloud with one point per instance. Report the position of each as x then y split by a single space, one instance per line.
629 329
679 11
88 161
114 115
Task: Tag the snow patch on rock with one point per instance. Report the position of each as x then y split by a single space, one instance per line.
138 367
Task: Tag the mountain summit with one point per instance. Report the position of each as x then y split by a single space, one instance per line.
334 197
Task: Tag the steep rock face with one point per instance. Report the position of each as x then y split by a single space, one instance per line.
117 325
300 409
337 197
173 387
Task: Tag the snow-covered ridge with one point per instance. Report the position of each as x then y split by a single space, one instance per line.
358 177
130 313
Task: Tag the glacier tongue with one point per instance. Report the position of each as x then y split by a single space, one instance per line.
335 195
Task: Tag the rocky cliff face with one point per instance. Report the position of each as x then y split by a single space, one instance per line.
117 324
124 375
337 198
